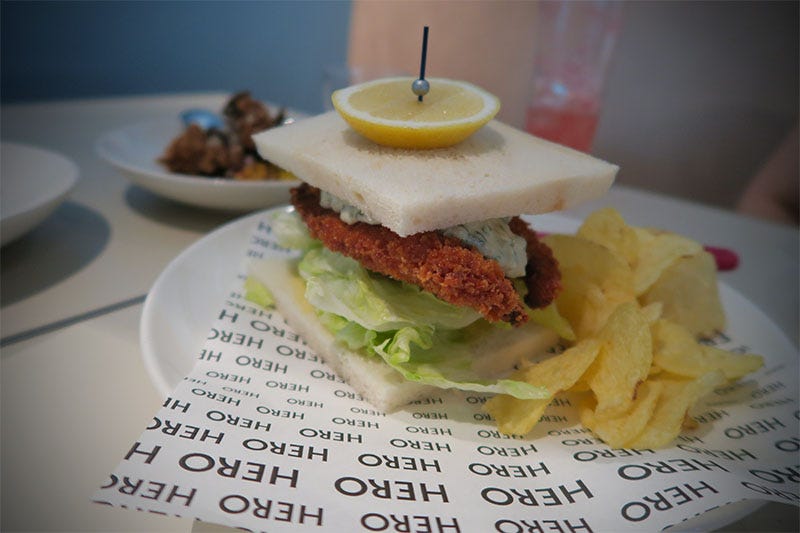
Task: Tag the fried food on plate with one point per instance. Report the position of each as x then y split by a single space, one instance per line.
443 265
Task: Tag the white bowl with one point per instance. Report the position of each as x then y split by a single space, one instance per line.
33 182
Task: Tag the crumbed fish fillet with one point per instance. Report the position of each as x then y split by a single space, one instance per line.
444 266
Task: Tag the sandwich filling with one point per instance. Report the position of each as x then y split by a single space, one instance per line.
449 267
430 305
493 237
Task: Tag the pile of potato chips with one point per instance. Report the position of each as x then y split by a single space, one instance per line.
636 302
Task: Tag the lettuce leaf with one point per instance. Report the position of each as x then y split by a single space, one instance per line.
258 293
291 232
340 285
426 339
421 354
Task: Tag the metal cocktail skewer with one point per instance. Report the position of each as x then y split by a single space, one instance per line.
420 87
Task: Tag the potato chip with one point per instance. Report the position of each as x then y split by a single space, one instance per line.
594 281
689 422
733 365
618 431
675 400
515 416
652 312
558 373
677 352
635 301
580 386
607 227
688 291
624 360
657 251
561 371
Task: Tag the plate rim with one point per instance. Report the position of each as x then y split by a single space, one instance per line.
146 323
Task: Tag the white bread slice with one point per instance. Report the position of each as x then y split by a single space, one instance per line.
375 381
499 171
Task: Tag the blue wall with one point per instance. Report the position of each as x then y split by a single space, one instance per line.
277 50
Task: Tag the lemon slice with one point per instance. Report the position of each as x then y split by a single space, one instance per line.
388 113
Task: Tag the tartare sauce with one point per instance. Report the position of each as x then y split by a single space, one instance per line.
495 240
347 212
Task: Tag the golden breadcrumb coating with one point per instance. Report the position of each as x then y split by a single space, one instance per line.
444 266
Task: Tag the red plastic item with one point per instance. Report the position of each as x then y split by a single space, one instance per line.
726 259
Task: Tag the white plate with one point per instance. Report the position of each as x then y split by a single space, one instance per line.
182 304
134 150
34 182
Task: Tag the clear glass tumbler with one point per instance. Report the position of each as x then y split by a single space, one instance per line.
575 40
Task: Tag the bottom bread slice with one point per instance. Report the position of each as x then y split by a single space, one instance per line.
495 353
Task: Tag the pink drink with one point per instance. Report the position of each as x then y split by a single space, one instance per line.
572 124
575 40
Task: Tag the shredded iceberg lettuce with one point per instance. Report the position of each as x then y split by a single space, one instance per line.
340 285
424 338
257 293
291 232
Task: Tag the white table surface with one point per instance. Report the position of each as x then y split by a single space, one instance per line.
74 393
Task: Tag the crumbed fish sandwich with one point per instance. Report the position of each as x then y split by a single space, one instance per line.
414 267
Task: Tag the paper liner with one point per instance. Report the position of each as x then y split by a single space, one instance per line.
261 435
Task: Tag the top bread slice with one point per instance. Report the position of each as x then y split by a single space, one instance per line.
499 171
